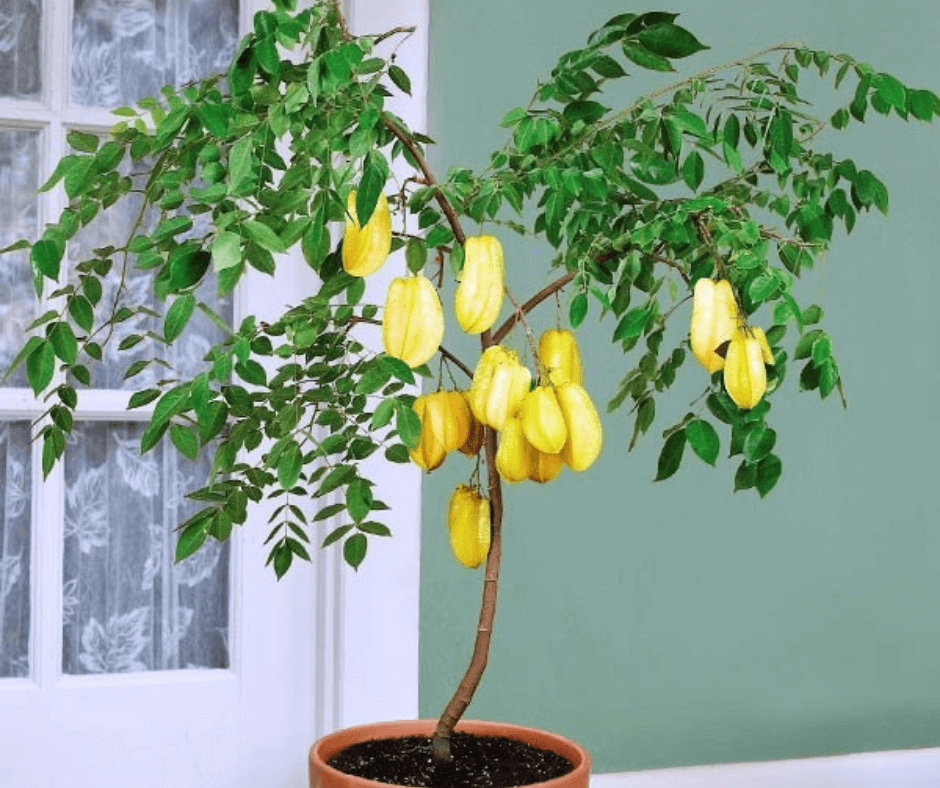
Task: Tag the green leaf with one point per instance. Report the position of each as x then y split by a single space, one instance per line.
383 413
184 439
759 442
804 347
283 557
40 366
354 550
263 235
46 256
170 227
746 477
769 470
408 425
891 91
140 398
397 453
578 310
359 500
337 533
370 186
512 117
632 324
645 58
289 465
80 176
671 455
177 316
670 41
239 163
416 254
226 250
64 342
703 439
922 104
337 477
86 143
693 170
822 349
400 78
193 537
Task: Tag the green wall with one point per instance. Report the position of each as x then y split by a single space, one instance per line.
676 623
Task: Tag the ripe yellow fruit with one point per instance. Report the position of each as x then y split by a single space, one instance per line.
366 248
474 441
745 376
448 417
500 383
545 467
542 420
514 455
585 435
479 295
468 520
714 315
430 452
558 352
413 323
765 350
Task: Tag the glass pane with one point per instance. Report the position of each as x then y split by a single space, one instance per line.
19 170
186 354
20 50
15 472
126 606
123 50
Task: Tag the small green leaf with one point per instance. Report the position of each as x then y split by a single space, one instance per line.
397 453
645 58
140 398
46 256
226 251
745 477
400 78
40 366
192 538
512 117
263 235
177 316
64 342
769 470
759 442
578 310
804 347
359 500
671 455
184 440
289 465
670 41
703 439
693 170
416 254
370 186
632 324
408 426
354 550
337 477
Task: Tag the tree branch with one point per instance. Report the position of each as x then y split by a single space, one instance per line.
529 305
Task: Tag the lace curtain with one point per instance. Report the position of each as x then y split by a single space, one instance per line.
125 605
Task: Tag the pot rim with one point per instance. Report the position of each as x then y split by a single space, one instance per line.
327 746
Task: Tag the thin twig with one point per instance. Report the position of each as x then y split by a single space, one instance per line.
533 302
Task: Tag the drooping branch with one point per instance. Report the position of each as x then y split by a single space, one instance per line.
456 361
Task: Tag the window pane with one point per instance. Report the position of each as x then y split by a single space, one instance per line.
123 50
20 50
15 483
19 168
126 606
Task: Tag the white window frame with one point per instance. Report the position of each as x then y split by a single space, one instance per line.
349 638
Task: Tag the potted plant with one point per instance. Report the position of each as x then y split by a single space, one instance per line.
711 190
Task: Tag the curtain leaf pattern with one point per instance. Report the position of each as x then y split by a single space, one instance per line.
126 606
123 50
19 171
20 49
15 549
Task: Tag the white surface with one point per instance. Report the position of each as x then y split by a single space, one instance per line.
897 769
251 725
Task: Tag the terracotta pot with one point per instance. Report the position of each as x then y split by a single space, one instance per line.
323 776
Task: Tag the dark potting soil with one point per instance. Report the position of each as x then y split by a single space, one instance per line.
475 762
